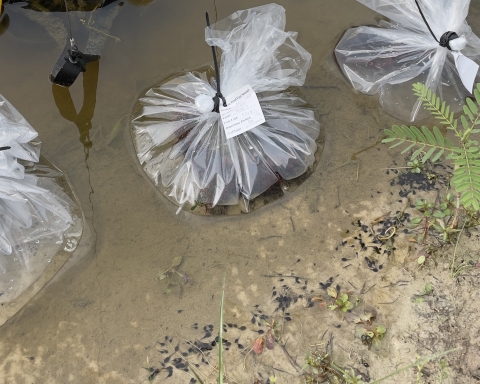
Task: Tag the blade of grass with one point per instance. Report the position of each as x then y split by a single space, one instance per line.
220 338
195 373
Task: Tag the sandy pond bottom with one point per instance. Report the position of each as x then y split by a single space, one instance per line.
105 318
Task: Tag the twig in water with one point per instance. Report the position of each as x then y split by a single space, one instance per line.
391 301
290 358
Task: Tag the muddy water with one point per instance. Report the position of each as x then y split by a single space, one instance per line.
100 318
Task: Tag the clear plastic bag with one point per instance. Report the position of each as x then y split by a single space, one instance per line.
37 215
182 145
389 58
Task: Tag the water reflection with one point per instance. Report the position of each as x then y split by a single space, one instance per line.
4 20
64 103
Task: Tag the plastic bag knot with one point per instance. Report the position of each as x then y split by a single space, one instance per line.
446 38
216 101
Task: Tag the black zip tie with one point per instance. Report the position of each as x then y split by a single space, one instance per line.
218 95
4 148
446 37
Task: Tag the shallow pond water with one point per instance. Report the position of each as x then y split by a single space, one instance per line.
105 313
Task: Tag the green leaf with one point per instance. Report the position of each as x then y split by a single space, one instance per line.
464 121
468 112
381 329
438 155
475 205
408 148
459 178
409 133
398 132
462 187
429 136
419 134
389 133
344 297
472 106
397 144
418 300
428 154
438 136
448 143
389 139
421 259
417 152
439 214
416 220
476 92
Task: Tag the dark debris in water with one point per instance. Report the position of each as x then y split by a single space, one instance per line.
432 178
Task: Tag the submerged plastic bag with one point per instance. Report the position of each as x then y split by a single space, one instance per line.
413 46
37 217
181 143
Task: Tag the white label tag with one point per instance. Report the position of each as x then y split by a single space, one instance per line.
467 69
242 113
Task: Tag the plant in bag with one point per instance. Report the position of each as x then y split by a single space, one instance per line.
431 144
37 210
224 137
426 41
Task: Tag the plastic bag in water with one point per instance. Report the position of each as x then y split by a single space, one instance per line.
37 216
182 144
389 58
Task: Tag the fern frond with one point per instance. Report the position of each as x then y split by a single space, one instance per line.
433 103
434 143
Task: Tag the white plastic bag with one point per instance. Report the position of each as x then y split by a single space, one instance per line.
389 58
35 211
182 145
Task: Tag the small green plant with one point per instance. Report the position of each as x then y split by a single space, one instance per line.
341 301
439 223
319 368
371 335
428 290
416 166
173 276
433 144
